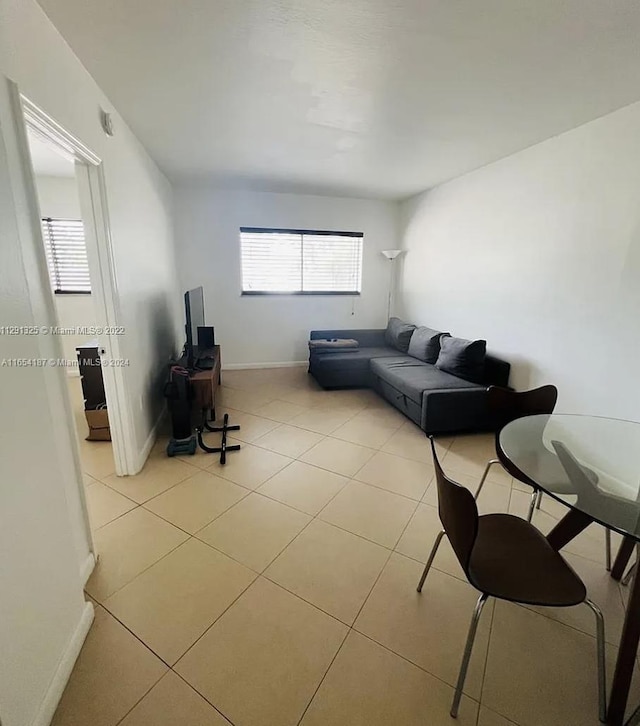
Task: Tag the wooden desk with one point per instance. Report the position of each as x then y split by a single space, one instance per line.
205 385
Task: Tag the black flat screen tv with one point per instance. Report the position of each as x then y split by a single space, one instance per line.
194 315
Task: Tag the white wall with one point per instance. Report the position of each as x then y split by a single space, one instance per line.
139 199
539 253
274 329
58 197
41 607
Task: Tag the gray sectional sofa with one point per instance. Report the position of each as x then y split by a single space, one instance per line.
436 400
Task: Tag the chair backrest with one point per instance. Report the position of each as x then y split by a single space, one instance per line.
506 405
458 513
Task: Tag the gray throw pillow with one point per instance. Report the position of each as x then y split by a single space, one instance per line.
398 334
425 344
462 358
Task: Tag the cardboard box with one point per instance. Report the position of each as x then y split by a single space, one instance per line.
98 422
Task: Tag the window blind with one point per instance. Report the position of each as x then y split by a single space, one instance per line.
66 255
300 262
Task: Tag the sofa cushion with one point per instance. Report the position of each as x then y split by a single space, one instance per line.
425 344
366 338
463 358
398 334
411 377
350 360
333 345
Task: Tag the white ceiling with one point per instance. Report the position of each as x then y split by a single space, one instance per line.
46 161
376 98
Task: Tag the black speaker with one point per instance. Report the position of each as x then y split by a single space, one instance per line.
206 338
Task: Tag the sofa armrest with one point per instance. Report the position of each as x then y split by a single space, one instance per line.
496 371
367 338
456 409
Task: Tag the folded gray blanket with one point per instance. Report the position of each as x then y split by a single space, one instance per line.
338 345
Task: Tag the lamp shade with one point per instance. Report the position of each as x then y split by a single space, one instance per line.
391 254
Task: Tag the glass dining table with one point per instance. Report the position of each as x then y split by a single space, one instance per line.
591 464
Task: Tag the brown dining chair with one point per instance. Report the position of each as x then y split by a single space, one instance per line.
506 557
506 406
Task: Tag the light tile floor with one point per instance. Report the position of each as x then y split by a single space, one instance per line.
280 589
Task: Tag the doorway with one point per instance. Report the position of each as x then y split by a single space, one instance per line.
75 242
65 248
89 200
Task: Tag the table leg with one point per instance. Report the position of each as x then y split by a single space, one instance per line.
622 558
626 657
567 528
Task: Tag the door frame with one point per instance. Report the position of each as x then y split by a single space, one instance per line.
94 209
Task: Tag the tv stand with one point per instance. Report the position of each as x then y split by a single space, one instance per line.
205 359
205 383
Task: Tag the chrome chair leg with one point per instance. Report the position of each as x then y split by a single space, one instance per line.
467 654
484 476
607 548
427 567
630 572
602 680
532 505
539 500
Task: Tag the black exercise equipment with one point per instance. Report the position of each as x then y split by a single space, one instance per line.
178 394
223 448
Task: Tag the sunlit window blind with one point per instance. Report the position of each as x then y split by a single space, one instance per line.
300 262
66 255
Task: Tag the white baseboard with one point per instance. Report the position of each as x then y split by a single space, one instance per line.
87 567
251 366
151 440
65 666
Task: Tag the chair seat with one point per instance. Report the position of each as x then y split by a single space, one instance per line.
513 560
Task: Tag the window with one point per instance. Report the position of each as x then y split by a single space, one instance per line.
66 255
300 262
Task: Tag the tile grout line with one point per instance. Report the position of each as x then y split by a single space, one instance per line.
155 683
351 627
222 552
173 549
324 675
264 576
415 665
258 575
195 468
190 535
195 690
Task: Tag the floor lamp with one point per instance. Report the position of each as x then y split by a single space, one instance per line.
391 256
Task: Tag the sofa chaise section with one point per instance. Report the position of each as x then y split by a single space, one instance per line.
350 369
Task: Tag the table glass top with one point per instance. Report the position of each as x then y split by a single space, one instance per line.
589 462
